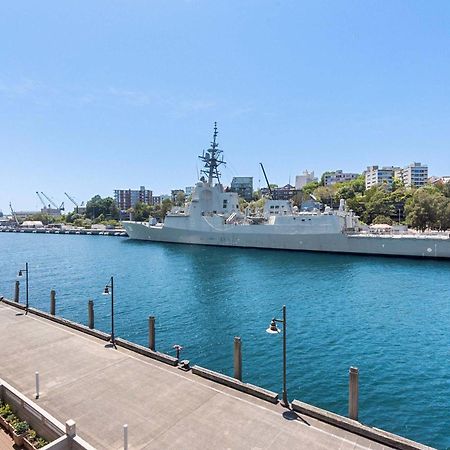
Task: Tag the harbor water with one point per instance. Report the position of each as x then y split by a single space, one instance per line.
390 317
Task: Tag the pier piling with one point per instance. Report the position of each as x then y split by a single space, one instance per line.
37 384
237 358
91 314
125 437
52 302
71 428
17 291
353 393
151 333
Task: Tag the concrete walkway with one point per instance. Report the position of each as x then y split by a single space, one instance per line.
102 389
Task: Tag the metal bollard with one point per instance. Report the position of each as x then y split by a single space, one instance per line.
151 333
125 437
52 302
91 314
353 393
237 358
17 291
71 428
178 349
37 384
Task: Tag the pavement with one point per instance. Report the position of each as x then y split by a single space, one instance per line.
6 441
104 388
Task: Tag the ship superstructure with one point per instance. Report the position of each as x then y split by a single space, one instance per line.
213 217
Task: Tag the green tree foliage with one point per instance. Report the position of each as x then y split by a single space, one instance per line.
377 203
141 211
309 188
382 220
180 199
102 208
42 217
428 208
326 194
350 189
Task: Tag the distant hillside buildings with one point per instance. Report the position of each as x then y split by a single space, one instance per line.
413 175
305 178
127 198
338 176
243 186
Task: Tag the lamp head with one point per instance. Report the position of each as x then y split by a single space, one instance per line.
273 329
106 291
20 274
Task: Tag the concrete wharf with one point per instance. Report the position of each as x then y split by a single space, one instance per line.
103 388
84 231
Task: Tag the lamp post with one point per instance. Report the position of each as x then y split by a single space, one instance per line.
109 290
20 275
273 329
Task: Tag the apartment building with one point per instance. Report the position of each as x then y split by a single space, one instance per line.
243 186
413 175
127 198
338 176
376 175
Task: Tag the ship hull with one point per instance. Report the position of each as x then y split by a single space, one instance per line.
267 237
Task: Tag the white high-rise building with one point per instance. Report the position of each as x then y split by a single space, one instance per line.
301 180
413 175
379 175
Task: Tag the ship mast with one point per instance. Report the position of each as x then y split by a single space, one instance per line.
211 159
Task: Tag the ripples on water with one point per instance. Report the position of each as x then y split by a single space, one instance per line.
387 316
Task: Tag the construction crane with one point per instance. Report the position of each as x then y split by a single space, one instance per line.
77 206
14 214
42 201
60 207
267 180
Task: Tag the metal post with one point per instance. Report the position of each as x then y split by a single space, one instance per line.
52 302
17 291
353 393
26 271
151 333
112 313
91 314
285 397
125 437
37 384
237 358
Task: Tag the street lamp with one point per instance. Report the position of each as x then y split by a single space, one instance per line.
20 275
109 290
273 329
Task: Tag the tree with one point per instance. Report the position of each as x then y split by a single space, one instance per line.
41 217
141 211
325 194
180 198
310 187
422 209
98 206
350 189
382 220
377 203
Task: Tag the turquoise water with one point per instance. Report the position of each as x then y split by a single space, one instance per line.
389 317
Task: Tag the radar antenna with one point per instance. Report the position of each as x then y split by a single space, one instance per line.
211 159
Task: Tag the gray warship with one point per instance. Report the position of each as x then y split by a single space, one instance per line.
213 217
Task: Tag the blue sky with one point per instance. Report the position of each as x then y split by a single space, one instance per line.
97 95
